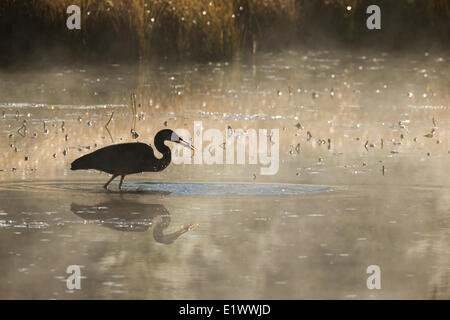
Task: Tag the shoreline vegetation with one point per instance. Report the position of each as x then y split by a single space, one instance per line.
203 30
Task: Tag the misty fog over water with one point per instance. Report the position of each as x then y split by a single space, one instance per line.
363 160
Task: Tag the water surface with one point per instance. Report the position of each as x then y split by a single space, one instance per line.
363 180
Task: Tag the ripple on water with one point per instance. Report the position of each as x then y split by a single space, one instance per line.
41 105
233 189
179 188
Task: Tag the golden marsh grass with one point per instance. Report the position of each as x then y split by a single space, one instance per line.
212 29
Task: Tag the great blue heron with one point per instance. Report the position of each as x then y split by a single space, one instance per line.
128 158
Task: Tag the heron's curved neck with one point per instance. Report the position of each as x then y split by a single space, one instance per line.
165 151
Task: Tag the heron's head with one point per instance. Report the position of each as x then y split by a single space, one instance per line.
170 135
177 139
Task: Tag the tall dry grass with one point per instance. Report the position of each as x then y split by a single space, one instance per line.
197 28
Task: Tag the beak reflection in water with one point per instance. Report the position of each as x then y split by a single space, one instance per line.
131 216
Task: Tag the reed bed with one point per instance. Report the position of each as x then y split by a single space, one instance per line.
199 29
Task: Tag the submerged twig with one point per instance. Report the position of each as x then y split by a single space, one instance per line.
134 134
106 127
24 128
431 134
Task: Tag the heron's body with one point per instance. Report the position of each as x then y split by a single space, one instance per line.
128 158
122 159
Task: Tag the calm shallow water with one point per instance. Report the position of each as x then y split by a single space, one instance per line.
363 180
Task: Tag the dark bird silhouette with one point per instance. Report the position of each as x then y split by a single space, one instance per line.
128 158
131 216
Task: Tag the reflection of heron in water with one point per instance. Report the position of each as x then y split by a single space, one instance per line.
128 158
125 215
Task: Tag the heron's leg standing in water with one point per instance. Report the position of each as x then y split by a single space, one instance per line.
121 181
109 181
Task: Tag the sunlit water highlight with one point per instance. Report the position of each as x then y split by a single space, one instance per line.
363 180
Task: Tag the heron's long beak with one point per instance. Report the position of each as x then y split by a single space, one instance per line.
187 144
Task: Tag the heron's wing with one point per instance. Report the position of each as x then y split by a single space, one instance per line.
122 158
